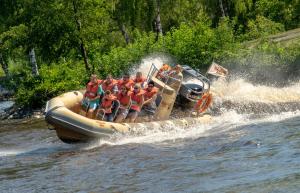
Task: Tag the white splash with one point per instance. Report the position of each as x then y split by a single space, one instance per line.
146 63
5 153
241 91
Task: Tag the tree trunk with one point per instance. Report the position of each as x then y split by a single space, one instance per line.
125 34
4 65
82 45
157 22
32 58
222 8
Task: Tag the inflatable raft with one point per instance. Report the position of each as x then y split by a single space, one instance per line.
63 113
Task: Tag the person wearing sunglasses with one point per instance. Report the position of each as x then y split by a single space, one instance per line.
137 101
150 96
124 97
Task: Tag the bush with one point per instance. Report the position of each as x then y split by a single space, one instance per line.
53 80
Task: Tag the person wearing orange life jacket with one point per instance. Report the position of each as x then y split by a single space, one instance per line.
163 72
150 95
140 79
107 105
110 84
125 81
124 97
203 103
175 75
137 101
91 96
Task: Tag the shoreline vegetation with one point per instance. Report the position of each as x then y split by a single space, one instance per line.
49 48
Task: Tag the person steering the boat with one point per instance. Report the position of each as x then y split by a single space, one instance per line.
92 96
106 106
150 96
175 74
124 97
110 84
125 81
140 79
163 72
137 101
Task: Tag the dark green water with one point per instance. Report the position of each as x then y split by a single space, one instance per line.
240 155
248 147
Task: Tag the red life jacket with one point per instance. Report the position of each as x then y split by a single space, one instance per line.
136 99
110 86
140 80
149 94
91 90
107 102
163 71
124 99
128 84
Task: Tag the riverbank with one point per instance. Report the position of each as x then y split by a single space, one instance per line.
9 110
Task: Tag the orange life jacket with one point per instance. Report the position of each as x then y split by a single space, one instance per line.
203 103
163 70
124 99
91 90
108 86
149 94
107 102
128 84
136 99
140 80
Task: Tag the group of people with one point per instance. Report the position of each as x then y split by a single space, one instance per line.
131 94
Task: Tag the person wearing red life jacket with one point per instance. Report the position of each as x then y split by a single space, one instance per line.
125 81
163 72
124 97
107 105
91 96
137 101
140 79
150 95
175 75
110 84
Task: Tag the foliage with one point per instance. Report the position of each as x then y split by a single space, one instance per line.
34 91
69 34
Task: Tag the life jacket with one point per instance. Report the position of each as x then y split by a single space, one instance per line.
107 102
110 86
91 90
124 99
149 94
127 84
203 103
140 81
136 99
162 72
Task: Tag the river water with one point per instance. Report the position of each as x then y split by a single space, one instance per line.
239 151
